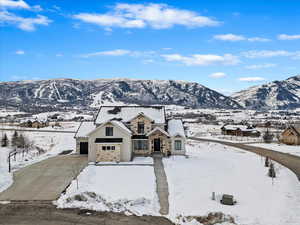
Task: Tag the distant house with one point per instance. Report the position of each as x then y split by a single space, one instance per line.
290 136
34 124
240 130
121 132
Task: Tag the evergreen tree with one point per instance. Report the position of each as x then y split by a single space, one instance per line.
14 139
21 141
4 141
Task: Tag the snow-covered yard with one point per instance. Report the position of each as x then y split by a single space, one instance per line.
129 189
291 149
225 170
51 143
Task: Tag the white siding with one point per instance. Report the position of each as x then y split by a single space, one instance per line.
126 150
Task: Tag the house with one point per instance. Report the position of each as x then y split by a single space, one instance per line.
290 136
121 132
34 123
240 130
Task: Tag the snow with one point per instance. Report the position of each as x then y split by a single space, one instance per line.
290 149
175 127
226 170
5 177
84 129
129 112
51 143
135 161
129 189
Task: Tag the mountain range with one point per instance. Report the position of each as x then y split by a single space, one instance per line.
57 94
283 95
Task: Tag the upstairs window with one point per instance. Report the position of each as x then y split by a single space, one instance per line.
178 145
109 131
141 128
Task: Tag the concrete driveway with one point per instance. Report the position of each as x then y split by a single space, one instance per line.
44 181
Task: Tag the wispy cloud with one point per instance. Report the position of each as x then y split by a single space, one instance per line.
288 37
156 16
234 37
26 24
14 4
270 53
19 4
218 75
260 66
251 79
202 60
119 52
19 52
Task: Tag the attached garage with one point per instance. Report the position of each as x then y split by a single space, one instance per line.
84 148
108 152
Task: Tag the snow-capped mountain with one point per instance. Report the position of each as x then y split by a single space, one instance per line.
93 93
274 95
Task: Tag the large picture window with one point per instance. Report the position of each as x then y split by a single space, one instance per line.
141 128
178 145
109 131
140 144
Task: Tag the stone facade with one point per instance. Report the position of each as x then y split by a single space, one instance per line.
108 155
165 142
140 119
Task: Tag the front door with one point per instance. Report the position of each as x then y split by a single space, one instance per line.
157 145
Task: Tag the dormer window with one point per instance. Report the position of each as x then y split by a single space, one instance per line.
141 128
109 131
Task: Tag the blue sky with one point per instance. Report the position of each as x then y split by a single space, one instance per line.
224 45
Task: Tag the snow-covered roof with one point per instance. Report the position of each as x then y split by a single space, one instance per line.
158 129
84 129
240 127
175 128
121 125
126 113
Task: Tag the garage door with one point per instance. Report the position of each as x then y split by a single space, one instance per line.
108 153
84 147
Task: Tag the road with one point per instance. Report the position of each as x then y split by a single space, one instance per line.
290 161
46 180
47 214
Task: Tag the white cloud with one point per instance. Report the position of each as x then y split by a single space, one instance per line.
266 53
14 4
251 79
119 52
260 66
202 60
217 75
26 24
258 39
229 37
59 55
234 37
157 16
288 37
19 52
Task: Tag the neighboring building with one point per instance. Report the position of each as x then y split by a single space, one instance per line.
290 136
121 132
239 130
34 124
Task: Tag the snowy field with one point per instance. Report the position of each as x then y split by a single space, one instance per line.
64 126
291 149
51 143
225 170
129 189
